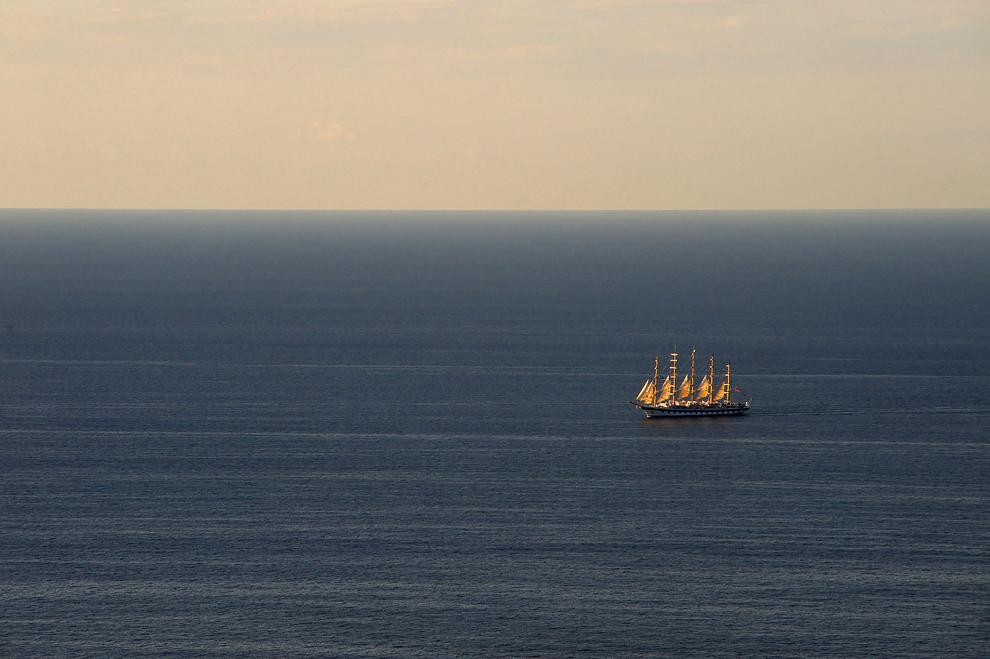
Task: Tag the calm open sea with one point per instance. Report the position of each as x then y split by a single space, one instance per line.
408 435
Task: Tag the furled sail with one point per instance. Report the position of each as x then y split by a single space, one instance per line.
646 394
684 391
704 389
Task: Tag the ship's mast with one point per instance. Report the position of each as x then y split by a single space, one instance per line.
728 386
656 372
711 381
691 386
673 377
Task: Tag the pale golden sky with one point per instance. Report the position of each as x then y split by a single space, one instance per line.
508 104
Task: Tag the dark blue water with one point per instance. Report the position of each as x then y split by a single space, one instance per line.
407 435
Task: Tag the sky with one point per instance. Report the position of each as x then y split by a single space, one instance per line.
503 105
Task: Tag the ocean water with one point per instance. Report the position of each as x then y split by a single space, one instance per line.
408 435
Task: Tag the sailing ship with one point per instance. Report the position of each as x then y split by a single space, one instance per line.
685 399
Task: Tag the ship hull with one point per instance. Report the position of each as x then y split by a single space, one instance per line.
732 409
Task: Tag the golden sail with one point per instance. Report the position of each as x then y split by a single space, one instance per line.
666 389
704 389
646 395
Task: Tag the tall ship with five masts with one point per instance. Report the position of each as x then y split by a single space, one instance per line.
670 399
